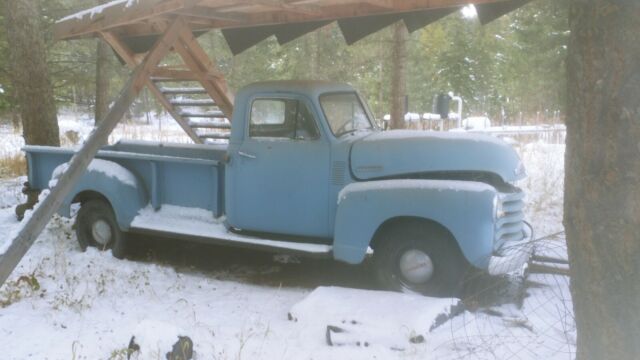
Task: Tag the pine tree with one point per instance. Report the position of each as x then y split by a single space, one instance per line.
30 73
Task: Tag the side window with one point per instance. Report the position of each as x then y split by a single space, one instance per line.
282 118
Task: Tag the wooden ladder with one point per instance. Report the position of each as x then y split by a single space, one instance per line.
193 108
203 108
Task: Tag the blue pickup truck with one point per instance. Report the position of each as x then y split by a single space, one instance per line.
307 170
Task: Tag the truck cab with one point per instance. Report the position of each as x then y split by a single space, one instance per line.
308 170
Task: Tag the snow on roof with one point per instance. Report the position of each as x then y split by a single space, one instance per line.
97 10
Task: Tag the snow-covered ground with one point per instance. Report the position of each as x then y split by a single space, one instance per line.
75 128
61 303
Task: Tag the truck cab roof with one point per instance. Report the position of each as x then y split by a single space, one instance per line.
310 88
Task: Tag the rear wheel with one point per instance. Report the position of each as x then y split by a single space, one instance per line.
419 257
96 226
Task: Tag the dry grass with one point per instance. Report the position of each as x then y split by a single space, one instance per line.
13 165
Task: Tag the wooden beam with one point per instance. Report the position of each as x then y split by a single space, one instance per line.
185 75
78 164
130 58
118 15
208 13
336 10
199 62
234 13
161 48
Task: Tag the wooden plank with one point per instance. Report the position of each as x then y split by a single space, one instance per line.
216 136
80 161
162 48
199 62
251 12
129 57
210 125
214 89
536 268
77 166
192 102
187 129
185 75
183 91
207 115
118 15
208 13
346 10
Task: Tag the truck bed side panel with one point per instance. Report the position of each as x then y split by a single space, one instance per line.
164 177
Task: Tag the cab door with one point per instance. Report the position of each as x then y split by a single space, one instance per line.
281 171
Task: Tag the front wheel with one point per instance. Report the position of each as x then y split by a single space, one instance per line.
96 226
418 257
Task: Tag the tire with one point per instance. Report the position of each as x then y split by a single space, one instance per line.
96 226
440 270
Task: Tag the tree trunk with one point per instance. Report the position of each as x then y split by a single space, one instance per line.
313 42
30 75
102 79
602 201
398 79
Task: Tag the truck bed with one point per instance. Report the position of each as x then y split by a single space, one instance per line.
173 174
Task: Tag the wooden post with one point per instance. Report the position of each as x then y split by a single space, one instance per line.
81 160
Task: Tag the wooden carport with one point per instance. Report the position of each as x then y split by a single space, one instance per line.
144 32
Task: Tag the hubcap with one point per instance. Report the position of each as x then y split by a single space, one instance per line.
101 232
416 266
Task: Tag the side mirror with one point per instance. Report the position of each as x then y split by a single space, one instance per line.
441 105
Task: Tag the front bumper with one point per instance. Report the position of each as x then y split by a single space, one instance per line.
513 256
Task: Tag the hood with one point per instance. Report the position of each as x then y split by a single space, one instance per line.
404 152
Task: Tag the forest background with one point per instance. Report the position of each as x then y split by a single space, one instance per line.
512 70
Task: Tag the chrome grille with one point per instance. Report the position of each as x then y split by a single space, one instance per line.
510 226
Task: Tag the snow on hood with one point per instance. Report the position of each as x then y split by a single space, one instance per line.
403 152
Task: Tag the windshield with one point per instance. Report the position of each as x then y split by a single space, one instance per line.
345 113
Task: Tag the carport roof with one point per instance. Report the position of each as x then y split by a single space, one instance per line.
245 23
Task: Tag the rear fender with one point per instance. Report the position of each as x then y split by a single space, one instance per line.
464 208
124 191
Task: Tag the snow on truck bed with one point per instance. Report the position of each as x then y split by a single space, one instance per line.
108 168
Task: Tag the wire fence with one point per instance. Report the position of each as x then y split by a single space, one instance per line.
520 316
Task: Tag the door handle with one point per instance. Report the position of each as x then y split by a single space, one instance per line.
249 156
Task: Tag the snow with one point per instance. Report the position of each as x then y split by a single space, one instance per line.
398 184
155 338
202 223
108 168
451 136
476 122
88 305
15 231
382 320
97 10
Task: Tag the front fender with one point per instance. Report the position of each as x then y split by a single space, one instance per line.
118 185
464 208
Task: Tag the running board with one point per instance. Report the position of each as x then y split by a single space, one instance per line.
214 231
